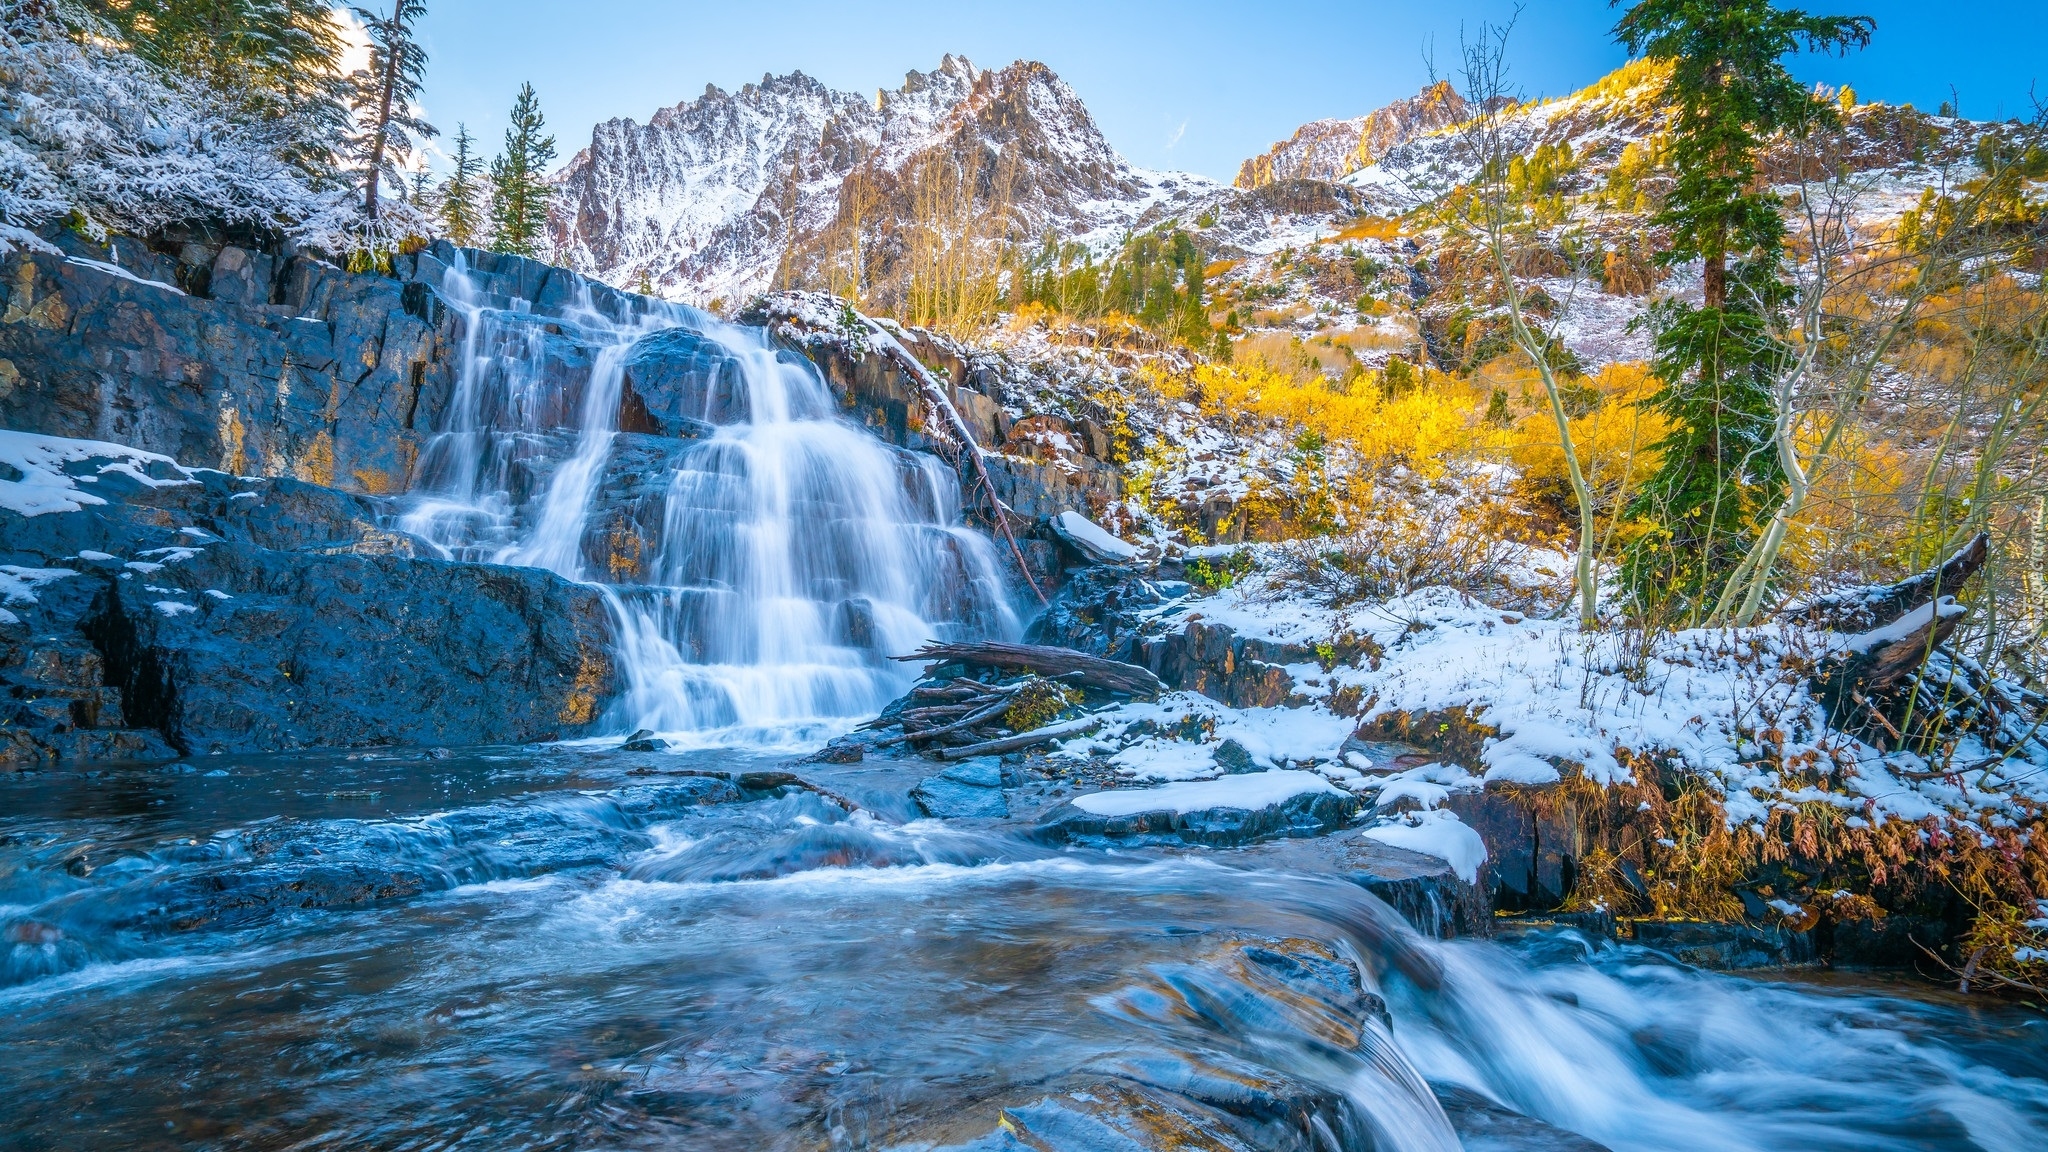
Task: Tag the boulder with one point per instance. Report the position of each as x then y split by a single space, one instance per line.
971 789
676 382
203 612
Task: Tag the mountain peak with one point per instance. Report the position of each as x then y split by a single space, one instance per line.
1333 149
709 197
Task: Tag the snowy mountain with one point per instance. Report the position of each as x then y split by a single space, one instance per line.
1333 149
708 199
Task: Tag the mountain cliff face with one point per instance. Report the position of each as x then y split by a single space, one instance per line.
708 198
1333 149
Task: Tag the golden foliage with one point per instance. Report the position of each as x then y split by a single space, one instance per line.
1359 424
1611 425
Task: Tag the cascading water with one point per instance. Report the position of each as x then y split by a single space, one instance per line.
793 553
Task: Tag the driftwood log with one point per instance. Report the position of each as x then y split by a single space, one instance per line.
1022 740
1890 631
1063 664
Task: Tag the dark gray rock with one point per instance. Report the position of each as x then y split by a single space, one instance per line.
243 615
320 651
1730 947
1100 610
1305 814
334 383
1422 888
1234 759
1484 1126
970 790
677 381
1532 849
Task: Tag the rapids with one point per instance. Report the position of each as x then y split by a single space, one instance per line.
578 947
533 949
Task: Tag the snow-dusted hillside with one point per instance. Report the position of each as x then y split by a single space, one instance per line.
704 200
1333 149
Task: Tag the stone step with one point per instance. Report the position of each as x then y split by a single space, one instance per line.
63 705
61 663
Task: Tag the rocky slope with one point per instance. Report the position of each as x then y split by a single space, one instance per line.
704 201
1334 149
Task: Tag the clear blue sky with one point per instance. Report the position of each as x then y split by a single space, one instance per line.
1195 85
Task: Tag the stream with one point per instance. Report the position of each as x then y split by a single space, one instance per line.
531 948
573 946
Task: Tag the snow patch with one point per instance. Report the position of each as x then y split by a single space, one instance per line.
44 485
1437 833
1250 791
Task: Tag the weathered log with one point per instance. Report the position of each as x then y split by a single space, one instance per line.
1874 606
1058 663
980 716
1022 740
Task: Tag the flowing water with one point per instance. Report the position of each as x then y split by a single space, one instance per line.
533 949
573 947
795 553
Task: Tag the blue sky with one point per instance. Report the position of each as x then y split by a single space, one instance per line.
1196 85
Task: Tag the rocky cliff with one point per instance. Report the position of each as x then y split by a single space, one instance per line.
706 200
1333 149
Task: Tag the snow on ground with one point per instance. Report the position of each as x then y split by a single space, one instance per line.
1730 706
1249 791
1149 746
1435 833
43 484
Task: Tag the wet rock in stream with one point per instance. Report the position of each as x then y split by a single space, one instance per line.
971 789
1213 1094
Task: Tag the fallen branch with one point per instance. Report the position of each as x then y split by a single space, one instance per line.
1058 663
1862 609
935 396
981 716
1024 740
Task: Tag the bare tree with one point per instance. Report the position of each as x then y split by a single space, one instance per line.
1492 215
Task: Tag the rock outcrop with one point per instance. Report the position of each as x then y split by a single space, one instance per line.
194 612
1333 149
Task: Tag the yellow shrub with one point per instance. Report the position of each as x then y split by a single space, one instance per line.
1611 429
1356 420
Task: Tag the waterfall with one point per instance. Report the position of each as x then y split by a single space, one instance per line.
791 552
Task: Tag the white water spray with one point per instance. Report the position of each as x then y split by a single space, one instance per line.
795 553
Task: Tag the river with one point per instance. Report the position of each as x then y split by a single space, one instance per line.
537 948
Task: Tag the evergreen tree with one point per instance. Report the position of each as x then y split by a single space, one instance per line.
423 195
384 97
519 192
1730 91
273 63
460 193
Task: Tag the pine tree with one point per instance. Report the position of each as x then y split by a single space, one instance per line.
460 213
273 63
385 92
1730 91
422 194
519 191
